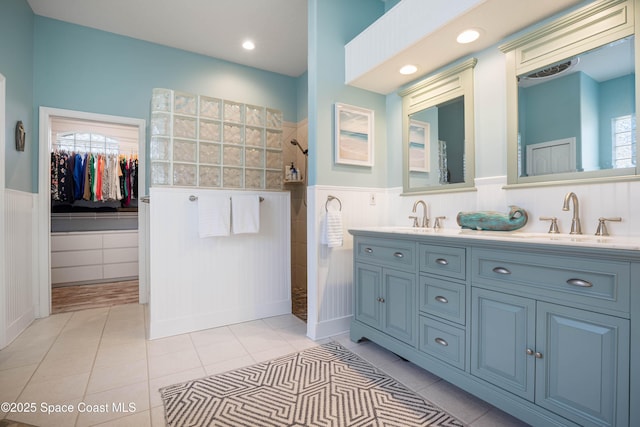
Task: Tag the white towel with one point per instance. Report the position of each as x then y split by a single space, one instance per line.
214 216
245 213
332 229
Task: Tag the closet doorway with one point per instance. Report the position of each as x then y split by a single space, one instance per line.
92 220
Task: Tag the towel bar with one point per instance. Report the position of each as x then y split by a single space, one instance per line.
193 198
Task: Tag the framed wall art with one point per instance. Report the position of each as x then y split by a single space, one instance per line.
354 135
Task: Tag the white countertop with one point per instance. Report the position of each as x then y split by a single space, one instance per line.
583 240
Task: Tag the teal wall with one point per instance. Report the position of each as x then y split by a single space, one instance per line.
332 24
617 98
55 64
16 65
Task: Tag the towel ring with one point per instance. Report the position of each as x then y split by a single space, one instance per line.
330 198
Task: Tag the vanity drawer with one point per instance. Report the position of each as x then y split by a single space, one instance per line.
442 341
443 299
592 282
443 261
392 253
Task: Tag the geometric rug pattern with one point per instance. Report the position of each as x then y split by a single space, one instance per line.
325 385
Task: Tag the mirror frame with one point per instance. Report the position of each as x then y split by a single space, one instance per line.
434 90
585 29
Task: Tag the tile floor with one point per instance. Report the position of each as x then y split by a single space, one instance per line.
95 358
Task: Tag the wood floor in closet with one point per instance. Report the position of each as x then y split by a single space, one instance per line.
82 297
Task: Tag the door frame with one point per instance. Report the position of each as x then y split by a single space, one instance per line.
44 199
3 147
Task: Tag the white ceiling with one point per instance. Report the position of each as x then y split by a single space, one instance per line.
217 28
213 28
496 20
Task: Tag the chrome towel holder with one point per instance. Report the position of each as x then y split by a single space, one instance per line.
330 198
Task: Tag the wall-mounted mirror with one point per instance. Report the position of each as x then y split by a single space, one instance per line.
572 98
438 131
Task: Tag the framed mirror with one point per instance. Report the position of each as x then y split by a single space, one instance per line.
571 98
438 146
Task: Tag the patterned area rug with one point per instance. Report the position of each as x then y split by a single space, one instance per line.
322 386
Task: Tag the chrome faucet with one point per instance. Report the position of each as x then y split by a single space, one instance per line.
575 221
425 218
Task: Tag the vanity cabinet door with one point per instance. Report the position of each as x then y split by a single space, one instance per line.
385 299
398 302
368 291
583 374
503 330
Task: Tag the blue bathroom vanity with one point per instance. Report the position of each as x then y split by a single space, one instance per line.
546 328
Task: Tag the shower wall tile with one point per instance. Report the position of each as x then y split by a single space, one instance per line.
204 141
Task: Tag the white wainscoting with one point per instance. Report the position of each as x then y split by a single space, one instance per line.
18 299
200 283
330 270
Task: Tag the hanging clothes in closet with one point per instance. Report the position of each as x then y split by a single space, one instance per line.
93 177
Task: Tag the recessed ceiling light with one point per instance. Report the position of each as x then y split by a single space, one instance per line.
468 36
249 45
408 69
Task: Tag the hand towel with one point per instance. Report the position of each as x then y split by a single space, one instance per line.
245 213
332 229
214 216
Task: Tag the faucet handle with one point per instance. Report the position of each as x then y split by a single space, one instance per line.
602 227
553 227
438 222
415 221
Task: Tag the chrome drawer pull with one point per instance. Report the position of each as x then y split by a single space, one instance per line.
441 342
530 352
538 355
579 282
442 261
441 299
368 250
501 270
398 255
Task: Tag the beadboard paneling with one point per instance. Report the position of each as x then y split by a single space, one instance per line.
198 283
19 308
330 275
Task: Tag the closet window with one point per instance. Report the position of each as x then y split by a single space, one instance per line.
94 166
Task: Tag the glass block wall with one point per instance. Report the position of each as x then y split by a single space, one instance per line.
200 141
